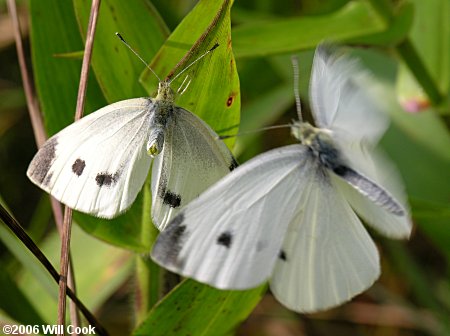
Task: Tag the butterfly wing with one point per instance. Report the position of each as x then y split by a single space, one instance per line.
98 164
328 255
192 160
343 101
342 97
231 235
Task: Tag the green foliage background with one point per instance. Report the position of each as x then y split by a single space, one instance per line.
406 44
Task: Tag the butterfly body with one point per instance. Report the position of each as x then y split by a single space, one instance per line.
320 143
162 113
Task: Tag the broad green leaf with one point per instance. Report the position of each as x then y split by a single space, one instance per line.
123 231
214 92
396 31
56 78
285 35
195 309
116 68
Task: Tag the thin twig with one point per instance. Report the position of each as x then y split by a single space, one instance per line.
29 243
67 225
39 132
59 219
35 115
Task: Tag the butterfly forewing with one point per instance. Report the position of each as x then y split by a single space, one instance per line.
231 236
192 160
98 164
342 98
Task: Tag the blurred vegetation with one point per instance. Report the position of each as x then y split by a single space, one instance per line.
406 44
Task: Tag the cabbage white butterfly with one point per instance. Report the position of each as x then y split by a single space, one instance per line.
98 164
289 214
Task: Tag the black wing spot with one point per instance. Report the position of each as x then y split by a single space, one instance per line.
78 167
106 179
170 242
233 164
168 197
44 160
225 239
282 255
172 199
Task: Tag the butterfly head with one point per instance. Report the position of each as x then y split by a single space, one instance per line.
165 93
304 132
313 137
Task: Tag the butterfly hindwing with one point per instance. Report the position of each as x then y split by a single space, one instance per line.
231 236
328 256
98 164
192 159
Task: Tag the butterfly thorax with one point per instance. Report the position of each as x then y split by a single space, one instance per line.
163 108
319 142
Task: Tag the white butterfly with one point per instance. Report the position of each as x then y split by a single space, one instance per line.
288 214
98 164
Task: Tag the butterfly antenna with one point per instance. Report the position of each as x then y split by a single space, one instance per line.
134 52
198 59
222 137
296 90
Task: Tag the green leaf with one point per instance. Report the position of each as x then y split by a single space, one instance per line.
356 19
14 303
116 68
195 309
431 21
100 269
214 93
123 231
397 30
56 78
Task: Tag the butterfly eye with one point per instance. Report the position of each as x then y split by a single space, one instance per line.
155 142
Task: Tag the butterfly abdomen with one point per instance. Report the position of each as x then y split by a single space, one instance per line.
161 114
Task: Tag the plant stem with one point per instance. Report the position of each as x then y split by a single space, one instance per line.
409 55
67 225
147 272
